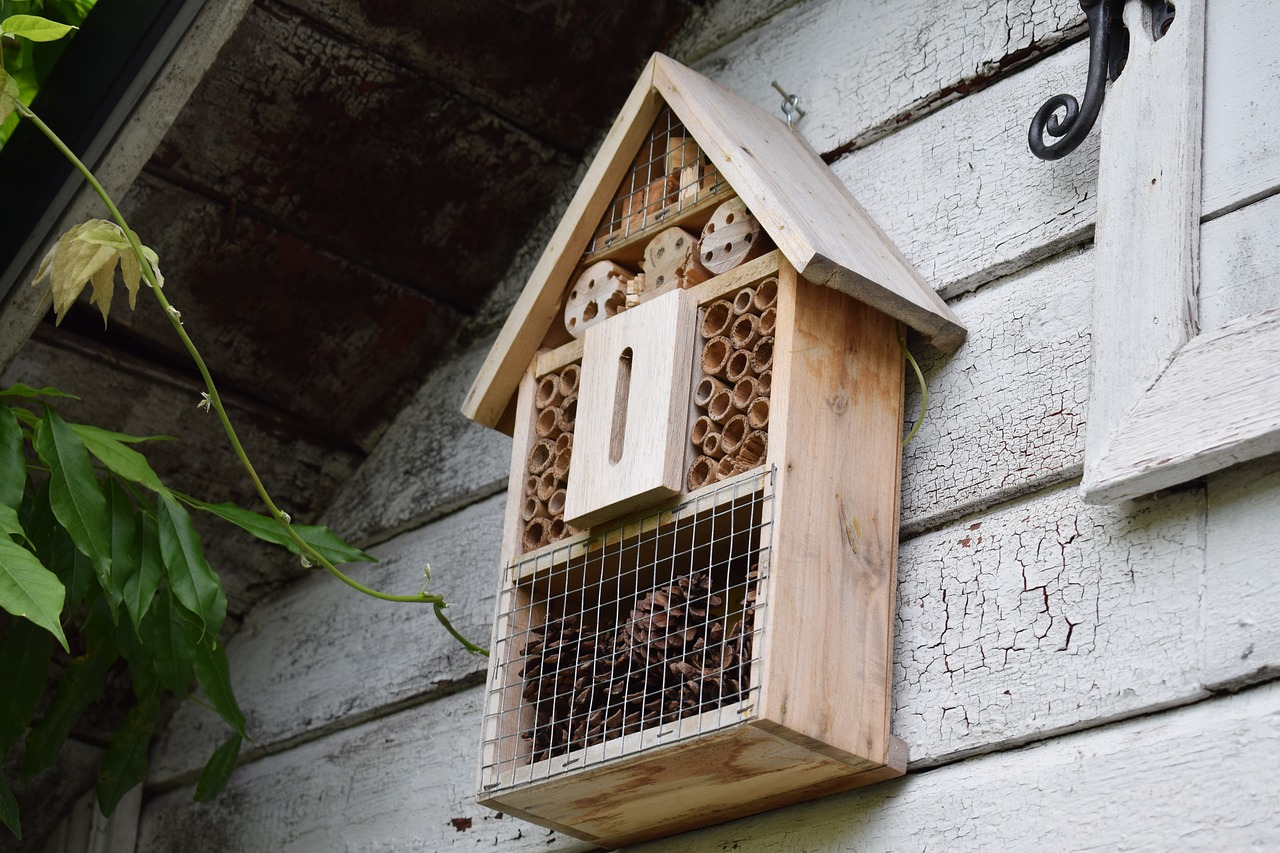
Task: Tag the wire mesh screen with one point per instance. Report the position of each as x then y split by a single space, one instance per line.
669 174
643 635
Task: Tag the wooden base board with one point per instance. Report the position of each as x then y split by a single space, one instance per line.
742 769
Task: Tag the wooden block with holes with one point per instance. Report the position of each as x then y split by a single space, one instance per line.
701 626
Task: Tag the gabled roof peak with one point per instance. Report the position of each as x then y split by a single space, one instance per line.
811 217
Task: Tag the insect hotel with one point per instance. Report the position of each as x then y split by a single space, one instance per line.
704 382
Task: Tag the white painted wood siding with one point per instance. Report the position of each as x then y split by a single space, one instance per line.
1058 666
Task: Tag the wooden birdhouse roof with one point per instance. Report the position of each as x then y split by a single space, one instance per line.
812 218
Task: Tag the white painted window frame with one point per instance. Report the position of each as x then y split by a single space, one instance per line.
1166 405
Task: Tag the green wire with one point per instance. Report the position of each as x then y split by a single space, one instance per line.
924 389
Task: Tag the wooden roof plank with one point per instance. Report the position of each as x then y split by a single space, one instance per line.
539 302
813 218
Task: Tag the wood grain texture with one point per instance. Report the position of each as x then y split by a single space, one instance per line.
815 221
1217 404
318 658
1242 607
629 447
1044 616
961 196
1239 257
837 407
1241 88
399 783
863 70
539 302
1007 412
1197 778
431 460
1147 237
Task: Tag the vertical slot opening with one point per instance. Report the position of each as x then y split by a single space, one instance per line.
618 433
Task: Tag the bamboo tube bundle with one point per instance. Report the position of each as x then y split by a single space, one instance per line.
731 399
547 466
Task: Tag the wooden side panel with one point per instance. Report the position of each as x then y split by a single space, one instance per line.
629 446
836 441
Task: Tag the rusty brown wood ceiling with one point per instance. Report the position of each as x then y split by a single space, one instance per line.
352 179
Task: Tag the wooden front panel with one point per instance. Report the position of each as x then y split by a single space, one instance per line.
629 451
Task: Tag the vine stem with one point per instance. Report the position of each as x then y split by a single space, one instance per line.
215 399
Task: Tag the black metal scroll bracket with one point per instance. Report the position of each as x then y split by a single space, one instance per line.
1108 49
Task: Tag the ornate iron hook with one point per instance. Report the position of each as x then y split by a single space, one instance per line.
1108 48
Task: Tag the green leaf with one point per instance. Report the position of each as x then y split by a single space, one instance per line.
81 685
29 590
140 588
9 95
9 523
13 464
125 764
119 459
72 567
324 540
215 680
9 808
171 635
17 389
24 660
124 542
216 773
74 493
35 28
192 580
